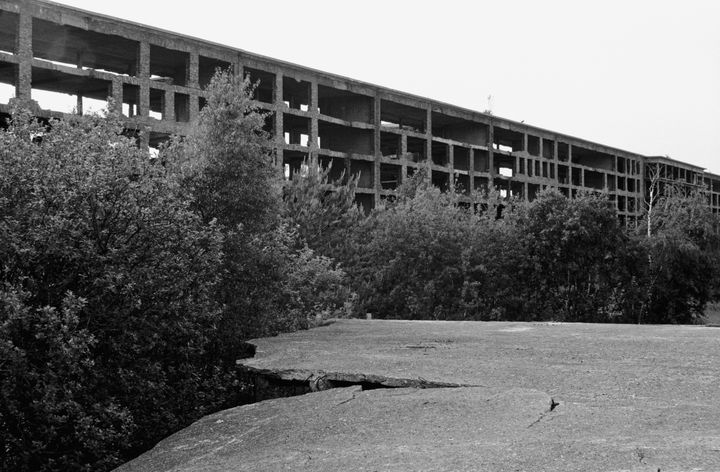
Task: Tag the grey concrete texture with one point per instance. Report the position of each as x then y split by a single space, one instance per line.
629 398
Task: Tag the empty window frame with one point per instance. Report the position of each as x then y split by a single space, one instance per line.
548 148
169 65
397 115
563 151
157 104
504 165
8 72
345 138
459 129
592 158
264 83
58 91
461 158
345 105
296 93
417 149
462 183
440 153
390 176
81 48
440 180
533 145
207 68
481 161
507 140
9 24
296 130
365 172
390 145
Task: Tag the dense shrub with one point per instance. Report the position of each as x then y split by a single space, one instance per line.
127 283
426 257
271 280
683 257
321 209
99 245
576 256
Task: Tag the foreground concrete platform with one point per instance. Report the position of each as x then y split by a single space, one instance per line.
498 397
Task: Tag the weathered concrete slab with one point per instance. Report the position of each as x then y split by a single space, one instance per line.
641 398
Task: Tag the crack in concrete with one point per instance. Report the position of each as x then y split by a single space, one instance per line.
553 405
316 381
277 383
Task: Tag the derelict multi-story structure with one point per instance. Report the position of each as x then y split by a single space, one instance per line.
156 79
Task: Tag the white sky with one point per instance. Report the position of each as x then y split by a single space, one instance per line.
639 75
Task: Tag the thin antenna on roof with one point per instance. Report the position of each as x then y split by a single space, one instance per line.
489 105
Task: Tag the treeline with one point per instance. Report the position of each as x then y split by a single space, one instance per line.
432 255
128 283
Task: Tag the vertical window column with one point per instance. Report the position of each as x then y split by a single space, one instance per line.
144 76
278 131
491 158
403 155
116 93
193 81
377 152
169 106
23 78
428 141
471 169
313 138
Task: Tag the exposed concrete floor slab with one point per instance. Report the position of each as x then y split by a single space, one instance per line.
641 398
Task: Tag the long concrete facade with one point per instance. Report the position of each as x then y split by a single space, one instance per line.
156 79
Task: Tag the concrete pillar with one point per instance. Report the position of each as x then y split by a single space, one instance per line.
279 138
169 105
23 48
78 102
491 159
144 76
116 95
314 117
471 169
403 155
428 142
376 146
193 71
278 95
194 107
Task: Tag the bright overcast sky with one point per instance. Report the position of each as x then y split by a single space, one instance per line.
643 76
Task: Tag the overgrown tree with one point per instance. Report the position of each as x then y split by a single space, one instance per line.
322 209
426 256
575 256
108 279
683 248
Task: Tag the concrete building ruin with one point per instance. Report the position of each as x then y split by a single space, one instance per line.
156 79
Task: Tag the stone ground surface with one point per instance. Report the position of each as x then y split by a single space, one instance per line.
629 398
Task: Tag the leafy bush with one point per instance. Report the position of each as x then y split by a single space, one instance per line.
323 211
50 416
683 258
576 259
271 282
427 257
86 212
127 283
